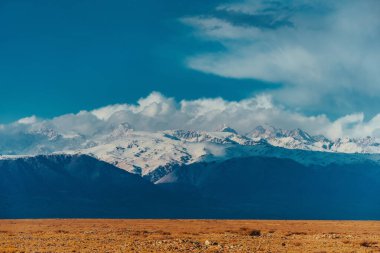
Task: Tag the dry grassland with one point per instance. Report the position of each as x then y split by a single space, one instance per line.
188 236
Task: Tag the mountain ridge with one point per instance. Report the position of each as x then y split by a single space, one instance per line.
154 154
79 186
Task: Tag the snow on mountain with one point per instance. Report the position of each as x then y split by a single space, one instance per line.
219 137
143 152
155 154
299 139
227 129
292 139
359 145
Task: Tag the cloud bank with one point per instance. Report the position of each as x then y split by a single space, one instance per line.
157 112
325 53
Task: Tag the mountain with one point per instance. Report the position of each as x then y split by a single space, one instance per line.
267 173
299 139
226 129
44 138
292 139
277 188
80 186
153 155
64 186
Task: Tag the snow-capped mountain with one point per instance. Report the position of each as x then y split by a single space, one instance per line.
356 145
155 154
226 129
142 152
292 139
248 176
299 139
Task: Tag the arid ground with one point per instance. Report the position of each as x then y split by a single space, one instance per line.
188 236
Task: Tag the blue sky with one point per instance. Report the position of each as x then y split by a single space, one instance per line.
314 58
63 56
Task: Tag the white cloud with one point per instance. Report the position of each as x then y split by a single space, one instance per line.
215 28
28 120
329 53
157 112
105 112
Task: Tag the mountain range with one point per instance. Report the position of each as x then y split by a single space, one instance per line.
266 173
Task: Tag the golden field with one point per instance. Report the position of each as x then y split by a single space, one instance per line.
92 235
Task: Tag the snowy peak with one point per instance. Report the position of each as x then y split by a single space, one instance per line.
154 154
357 145
269 132
299 139
217 137
292 139
300 135
226 129
198 136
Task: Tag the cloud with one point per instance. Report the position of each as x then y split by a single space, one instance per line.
28 120
157 112
325 53
105 112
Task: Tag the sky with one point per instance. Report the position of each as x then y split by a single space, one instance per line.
292 63
59 57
